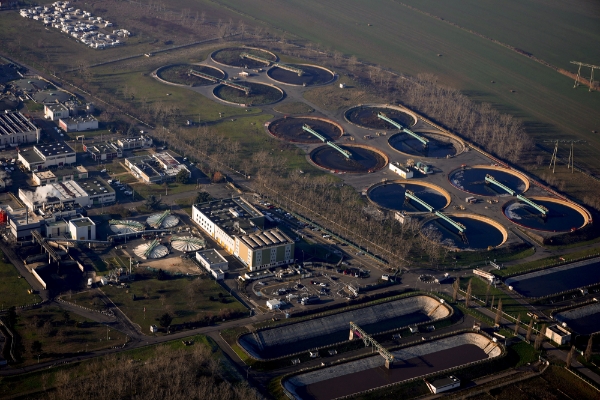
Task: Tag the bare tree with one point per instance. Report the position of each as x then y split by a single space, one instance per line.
487 293
588 350
498 313
455 290
539 338
529 331
468 294
570 357
517 324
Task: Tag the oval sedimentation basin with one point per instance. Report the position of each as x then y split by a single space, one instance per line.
290 128
231 57
364 159
472 180
312 75
480 232
411 362
391 195
562 216
260 94
365 116
325 331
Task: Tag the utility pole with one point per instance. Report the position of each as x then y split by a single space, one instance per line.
579 73
571 159
553 158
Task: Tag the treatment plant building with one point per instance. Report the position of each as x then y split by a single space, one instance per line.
239 228
17 129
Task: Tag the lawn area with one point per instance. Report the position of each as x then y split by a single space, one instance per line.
13 288
186 299
61 337
293 108
509 305
145 190
186 204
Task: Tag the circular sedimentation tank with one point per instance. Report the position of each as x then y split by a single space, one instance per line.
439 146
178 74
562 216
187 243
312 75
290 128
260 94
126 226
365 116
158 251
168 222
472 180
363 159
231 57
391 195
480 232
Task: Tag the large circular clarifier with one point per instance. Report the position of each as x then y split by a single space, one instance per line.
258 94
561 216
232 56
391 195
472 180
480 232
363 159
312 75
290 128
180 74
439 146
366 117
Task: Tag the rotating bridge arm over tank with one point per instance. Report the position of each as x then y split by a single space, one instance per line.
461 228
308 129
412 196
276 64
540 208
160 220
421 139
151 247
219 80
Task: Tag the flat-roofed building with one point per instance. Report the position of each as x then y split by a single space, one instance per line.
104 151
75 193
82 229
135 143
401 170
155 168
60 175
16 129
78 124
213 262
47 155
443 384
558 334
170 166
238 226
56 111
22 222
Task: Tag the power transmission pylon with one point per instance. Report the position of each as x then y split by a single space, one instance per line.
579 73
570 163
553 158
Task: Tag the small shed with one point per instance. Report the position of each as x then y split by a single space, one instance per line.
153 328
444 384
274 304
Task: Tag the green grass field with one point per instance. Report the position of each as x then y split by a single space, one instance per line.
59 337
409 42
186 299
13 288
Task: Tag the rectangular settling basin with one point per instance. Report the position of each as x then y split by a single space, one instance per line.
411 362
583 320
324 331
558 279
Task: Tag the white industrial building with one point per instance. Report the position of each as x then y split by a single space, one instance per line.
443 384
558 334
78 124
75 193
56 111
213 262
274 304
238 226
43 156
401 170
41 178
135 143
82 229
16 129
156 167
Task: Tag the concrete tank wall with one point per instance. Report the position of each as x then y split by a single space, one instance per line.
334 323
407 353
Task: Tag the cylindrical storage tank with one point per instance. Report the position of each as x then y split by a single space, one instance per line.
426 168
